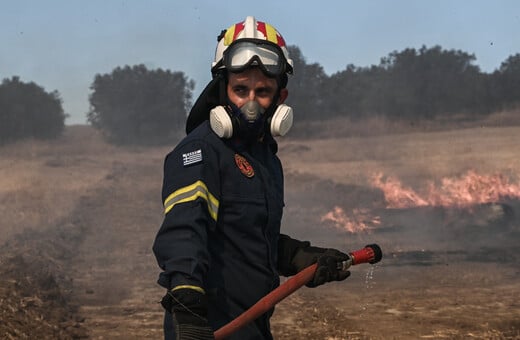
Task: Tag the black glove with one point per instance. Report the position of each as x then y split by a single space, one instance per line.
294 256
190 311
328 260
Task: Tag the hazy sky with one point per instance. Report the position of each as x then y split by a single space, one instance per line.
62 45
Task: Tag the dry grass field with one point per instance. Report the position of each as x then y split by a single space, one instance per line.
78 218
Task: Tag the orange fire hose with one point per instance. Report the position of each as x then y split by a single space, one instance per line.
370 254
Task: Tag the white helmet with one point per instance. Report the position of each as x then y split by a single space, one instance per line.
249 43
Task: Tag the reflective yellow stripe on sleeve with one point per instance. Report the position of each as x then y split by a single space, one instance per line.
191 193
195 288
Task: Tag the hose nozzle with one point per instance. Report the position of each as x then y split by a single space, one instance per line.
370 254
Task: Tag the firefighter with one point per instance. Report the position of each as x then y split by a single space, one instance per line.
219 246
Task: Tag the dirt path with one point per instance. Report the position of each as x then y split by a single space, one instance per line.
114 269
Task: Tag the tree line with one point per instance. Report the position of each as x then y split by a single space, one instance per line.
414 83
135 105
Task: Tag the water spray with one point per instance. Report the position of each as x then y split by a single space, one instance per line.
369 254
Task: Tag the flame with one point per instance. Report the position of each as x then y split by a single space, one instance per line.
469 189
360 220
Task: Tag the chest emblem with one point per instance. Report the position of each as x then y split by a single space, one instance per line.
244 166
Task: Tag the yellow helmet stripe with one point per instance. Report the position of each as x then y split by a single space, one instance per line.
191 193
232 33
271 33
228 37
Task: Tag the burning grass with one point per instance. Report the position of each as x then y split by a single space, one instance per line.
466 194
466 190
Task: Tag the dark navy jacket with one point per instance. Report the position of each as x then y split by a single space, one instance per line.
222 224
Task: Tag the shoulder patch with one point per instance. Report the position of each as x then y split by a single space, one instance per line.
192 157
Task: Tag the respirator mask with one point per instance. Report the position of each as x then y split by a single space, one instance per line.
251 121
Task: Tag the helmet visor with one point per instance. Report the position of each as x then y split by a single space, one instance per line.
243 54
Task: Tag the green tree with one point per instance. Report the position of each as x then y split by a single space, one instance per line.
353 92
26 111
305 87
134 105
508 81
431 81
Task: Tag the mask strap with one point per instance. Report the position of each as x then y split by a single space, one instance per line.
272 108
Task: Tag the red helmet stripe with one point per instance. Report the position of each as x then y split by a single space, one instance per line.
281 42
238 28
261 27
232 33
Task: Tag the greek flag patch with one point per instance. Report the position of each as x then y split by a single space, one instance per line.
193 157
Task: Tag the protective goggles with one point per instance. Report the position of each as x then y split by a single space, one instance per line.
244 53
